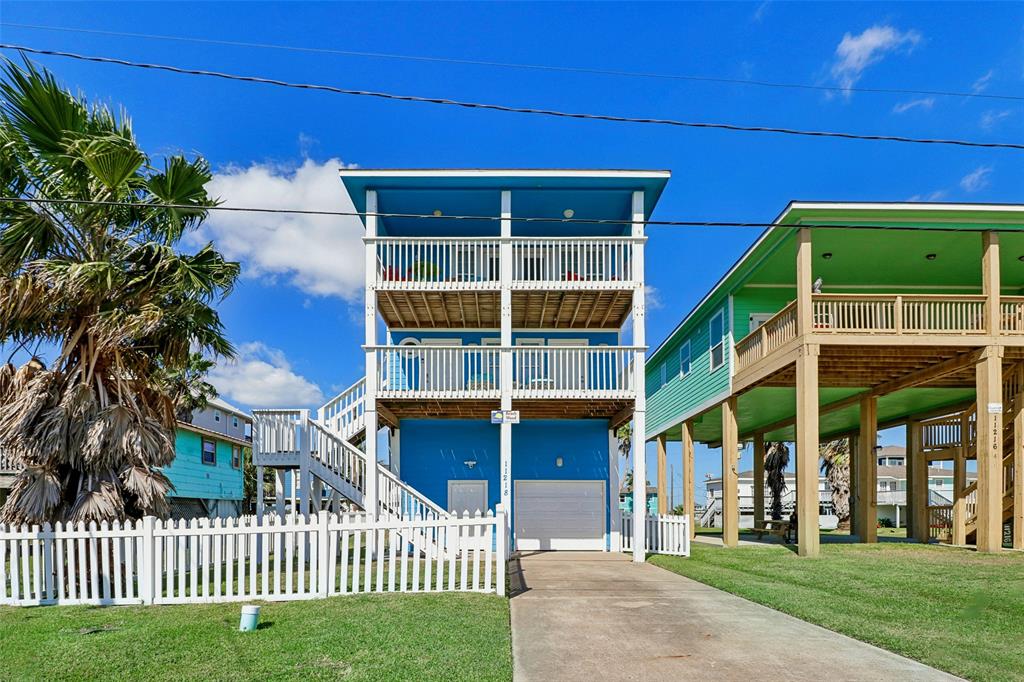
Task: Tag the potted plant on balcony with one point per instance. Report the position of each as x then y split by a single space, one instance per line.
423 271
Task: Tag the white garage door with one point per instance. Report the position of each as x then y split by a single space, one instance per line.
560 515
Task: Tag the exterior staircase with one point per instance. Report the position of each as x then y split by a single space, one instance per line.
327 446
951 426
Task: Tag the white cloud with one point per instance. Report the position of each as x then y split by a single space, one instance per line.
936 195
321 255
854 54
262 377
922 103
652 298
991 118
977 179
760 11
982 83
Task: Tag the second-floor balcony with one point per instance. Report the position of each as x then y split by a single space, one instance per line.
947 318
474 263
474 372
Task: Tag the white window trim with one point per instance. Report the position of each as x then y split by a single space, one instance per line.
721 341
689 360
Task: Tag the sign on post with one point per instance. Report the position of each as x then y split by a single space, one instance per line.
504 416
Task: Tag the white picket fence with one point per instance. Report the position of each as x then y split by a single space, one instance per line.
666 534
199 561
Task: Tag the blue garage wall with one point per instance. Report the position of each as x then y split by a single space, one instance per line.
434 451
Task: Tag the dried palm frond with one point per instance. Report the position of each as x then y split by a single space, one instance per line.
99 499
35 495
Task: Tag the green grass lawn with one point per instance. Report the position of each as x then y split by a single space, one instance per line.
374 637
950 608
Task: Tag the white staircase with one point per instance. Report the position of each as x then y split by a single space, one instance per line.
326 447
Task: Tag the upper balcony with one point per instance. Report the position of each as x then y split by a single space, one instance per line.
443 244
884 319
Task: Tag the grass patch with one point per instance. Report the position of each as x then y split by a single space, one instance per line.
953 609
373 637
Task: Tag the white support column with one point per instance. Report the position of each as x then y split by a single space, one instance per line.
260 497
640 405
395 450
279 492
505 476
304 456
370 396
615 532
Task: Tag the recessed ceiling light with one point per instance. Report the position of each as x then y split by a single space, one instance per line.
568 213
438 213
827 255
930 256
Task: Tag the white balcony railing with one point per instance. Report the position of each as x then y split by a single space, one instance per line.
437 263
458 372
7 465
570 262
468 263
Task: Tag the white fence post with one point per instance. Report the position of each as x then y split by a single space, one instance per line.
501 547
147 569
324 560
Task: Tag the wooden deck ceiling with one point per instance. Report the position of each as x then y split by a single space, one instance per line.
576 309
878 366
617 410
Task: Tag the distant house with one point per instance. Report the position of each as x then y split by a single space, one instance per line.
626 499
891 493
207 471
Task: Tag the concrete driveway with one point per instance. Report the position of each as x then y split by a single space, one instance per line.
597 616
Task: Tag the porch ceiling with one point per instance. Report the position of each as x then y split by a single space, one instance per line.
856 257
481 309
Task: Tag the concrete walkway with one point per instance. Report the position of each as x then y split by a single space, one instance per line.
597 616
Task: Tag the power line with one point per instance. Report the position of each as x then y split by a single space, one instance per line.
515 219
511 109
516 65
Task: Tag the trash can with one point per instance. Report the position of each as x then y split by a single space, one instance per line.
250 618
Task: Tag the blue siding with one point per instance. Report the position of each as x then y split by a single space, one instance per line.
434 451
192 478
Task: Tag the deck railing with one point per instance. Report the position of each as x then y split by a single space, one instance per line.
878 314
767 338
460 372
448 263
943 433
940 523
343 414
277 436
568 261
665 534
7 465
437 262
572 372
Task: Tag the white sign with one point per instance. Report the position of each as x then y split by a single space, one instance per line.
995 408
504 416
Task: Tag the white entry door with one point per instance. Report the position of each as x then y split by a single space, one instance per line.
560 515
466 496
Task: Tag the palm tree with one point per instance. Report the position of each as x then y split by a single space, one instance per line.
111 287
775 462
188 388
835 466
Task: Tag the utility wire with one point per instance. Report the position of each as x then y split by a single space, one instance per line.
515 65
515 110
515 219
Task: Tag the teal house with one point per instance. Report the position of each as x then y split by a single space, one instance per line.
207 471
626 500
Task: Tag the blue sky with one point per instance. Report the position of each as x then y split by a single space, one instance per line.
296 316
